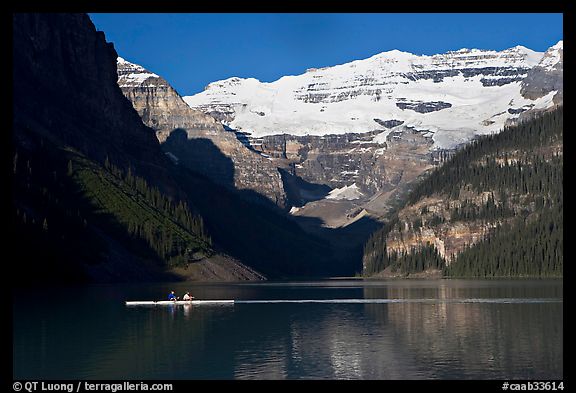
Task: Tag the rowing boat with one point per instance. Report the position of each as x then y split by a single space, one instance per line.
178 302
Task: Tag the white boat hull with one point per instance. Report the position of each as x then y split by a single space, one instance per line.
177 302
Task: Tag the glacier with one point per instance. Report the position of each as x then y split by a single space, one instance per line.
454 96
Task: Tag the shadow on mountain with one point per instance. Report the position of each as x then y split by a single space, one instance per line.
242 137
203 157
200 155
243 223
299 191
346 243
277 245
266 239
59 236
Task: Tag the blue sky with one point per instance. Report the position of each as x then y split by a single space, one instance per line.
192 50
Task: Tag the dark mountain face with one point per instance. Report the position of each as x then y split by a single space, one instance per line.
65 89
79 150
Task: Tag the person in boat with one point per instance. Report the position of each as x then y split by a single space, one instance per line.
171 296
187 296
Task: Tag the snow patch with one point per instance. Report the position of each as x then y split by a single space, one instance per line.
132 74
347 192
294 210
381 138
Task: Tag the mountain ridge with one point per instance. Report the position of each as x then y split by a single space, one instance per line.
392 85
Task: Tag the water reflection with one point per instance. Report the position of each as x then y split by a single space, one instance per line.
187 309
412 340
324 342
269 363
484 340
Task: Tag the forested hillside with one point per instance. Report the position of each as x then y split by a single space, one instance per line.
77 215
494 209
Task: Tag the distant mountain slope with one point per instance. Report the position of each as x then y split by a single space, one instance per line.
479 88
309 166
494 209
375 125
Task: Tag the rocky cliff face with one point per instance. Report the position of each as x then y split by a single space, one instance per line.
158 104
343 160
416 227
546 76
336 163
196 140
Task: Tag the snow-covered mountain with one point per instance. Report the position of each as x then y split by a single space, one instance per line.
454 95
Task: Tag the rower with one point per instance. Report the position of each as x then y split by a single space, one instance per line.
171 296
187 296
